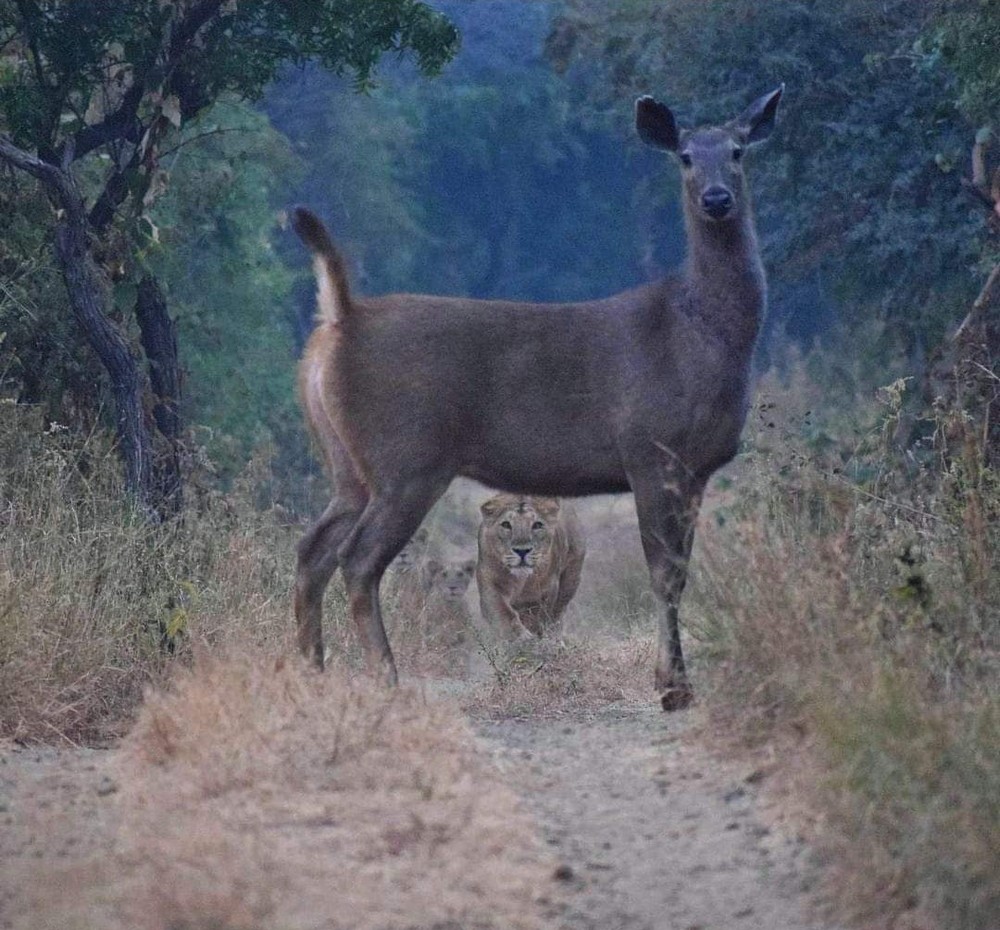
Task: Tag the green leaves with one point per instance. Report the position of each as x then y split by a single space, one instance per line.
859 184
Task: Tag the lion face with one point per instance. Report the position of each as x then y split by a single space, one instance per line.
519 530
449 580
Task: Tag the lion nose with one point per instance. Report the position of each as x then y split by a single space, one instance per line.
523 553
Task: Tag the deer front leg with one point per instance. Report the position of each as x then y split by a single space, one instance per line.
667 513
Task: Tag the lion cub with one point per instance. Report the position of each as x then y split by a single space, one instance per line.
429 613
447 579
531 552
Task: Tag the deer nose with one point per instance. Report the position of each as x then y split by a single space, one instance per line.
717 202
523 553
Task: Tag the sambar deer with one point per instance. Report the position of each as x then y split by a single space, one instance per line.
645 391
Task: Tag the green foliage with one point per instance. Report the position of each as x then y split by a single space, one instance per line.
41 360
849 191
120 96
968 40
211 242
511 177
491 182
74 55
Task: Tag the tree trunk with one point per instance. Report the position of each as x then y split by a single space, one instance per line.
159 342
88 298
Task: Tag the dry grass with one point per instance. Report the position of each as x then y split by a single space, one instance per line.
560 676
863 613
89 593
430 634
256 793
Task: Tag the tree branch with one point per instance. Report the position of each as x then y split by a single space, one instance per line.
221 131
123 123
979 304
28 14
51 175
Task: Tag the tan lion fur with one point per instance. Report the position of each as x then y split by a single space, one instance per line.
531 552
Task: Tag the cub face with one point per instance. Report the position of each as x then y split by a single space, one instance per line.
448 579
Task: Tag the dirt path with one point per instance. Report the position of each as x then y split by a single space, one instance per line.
651 830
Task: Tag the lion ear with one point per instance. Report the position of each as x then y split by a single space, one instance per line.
431 569
548 507
493 506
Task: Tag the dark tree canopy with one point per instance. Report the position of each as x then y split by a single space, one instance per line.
91 93
80 70
860 181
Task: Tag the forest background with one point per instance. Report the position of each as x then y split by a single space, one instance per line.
153 303
516 173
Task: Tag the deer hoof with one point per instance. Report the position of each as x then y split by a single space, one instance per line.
676 698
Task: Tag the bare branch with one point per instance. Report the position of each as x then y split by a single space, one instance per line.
980 303
25 161
30 11
979 164
981 193
205 135
123 122
59 181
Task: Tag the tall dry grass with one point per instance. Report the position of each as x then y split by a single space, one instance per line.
91 596
260 794
853 595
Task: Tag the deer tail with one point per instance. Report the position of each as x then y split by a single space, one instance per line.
333 296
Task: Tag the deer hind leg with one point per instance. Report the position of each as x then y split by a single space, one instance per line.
317 551
668 511
390 518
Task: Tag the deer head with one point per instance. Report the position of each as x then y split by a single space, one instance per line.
711 158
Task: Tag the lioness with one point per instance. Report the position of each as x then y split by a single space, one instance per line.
531 553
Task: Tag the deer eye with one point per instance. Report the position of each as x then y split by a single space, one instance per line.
737 153
506 525
686 159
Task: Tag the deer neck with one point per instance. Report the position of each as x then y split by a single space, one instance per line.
725 275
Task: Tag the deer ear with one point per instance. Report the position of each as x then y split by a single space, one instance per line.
656 124
757 120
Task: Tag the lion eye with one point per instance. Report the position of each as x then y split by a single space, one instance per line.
538 525
737 153
506 525
686 159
